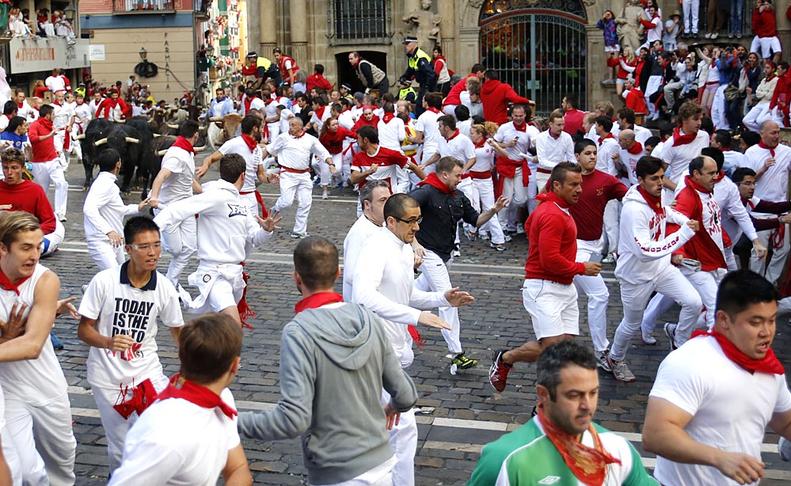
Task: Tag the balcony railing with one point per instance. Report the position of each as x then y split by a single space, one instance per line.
142 7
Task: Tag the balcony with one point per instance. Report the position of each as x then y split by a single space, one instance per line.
143 7
41 54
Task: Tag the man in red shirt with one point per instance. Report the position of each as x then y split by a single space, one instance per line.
317 80
495 97
598 188
453 98
18 194
548 293
45 160
572 117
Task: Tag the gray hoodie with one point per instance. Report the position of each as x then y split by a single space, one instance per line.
334 363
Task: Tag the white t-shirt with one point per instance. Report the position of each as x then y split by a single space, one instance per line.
432 140
484 158
120 308
506 133
35 381
773 184
55 83
179 185
252 160
458 146
391 134
176 442
702 381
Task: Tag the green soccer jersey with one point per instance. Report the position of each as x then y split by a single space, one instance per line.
526 456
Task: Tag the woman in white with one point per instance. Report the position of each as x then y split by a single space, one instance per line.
480 188
712 77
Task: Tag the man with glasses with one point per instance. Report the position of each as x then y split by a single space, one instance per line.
442 207
384 282
104 212
119 313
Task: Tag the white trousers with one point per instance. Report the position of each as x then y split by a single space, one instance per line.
53 240
11 457
718 109
403 441
773 114
541 180
43 439
181 242
301 186
116 426
771 269
58 140
691 10
669 282
750 120
323 169
519 195
45 173
480 192
612 223
598 295
434 277
706 284
104 254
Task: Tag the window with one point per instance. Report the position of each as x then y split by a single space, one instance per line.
143 6
358 21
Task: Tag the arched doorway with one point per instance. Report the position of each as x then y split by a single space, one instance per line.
538 47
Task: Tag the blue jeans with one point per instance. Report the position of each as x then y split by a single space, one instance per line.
736 22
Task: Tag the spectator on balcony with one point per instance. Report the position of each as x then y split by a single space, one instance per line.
63 27
715 18
671 31
652 23
626 65
736 19
16 23
45 27
764 25
691 11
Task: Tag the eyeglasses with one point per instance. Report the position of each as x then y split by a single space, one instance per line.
145 246
411 221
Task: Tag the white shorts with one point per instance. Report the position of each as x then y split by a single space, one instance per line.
767 46
552 307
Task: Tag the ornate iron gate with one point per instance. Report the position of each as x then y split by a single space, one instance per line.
541 52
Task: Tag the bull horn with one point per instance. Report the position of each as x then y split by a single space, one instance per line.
161 152
120 121
157 135
101 141
199 149
173 125
132 140
80 136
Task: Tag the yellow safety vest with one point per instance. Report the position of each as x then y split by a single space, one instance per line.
263 62
404 92
414 58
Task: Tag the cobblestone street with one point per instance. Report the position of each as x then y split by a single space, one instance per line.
459 413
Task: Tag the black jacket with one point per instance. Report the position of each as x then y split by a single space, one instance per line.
441 214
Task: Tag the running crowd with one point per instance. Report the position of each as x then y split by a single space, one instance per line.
687 217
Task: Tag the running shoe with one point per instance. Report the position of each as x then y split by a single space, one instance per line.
784 447
498 372
507 238
610 258
462 362
497 246
298 236
648 337
56 342
470 235
456 253
601 360
620 371
670 332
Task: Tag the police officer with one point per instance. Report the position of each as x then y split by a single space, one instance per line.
407 92
262 68
419 67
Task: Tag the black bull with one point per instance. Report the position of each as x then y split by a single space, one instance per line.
136 144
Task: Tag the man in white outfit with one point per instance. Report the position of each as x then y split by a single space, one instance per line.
104 212
37 410
225 226
373 196
771 162
553 146
119 312
513 170
175 182
294 151
644 251
384 283
687 142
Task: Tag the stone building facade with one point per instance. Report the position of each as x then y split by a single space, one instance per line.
545 48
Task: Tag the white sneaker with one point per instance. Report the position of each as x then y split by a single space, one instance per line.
784 447
648 338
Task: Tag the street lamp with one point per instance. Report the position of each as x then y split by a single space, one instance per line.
143 53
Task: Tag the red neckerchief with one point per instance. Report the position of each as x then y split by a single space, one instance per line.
317 300
301 134
433 110
7 284
679 139
550 196
196 394
249 141
521 128
453 135
588 464
320 111
20 105
387 117
719 177
183 143
636 148
694 185
768 364
766 147
479 144
247 101
654 202
609 135
434 181
271 100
